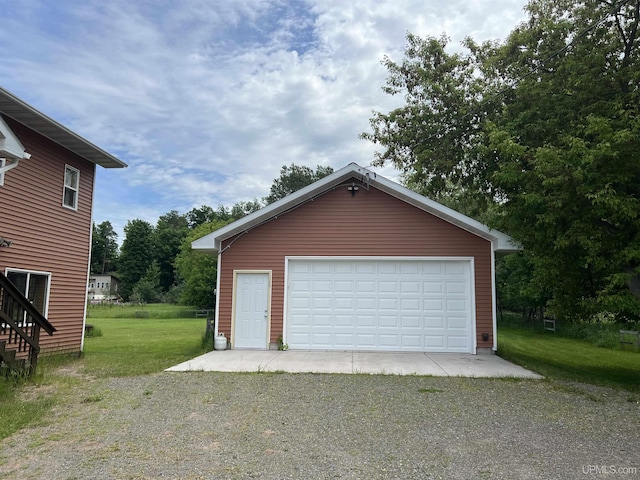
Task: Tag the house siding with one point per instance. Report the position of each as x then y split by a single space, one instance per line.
371 223
46 236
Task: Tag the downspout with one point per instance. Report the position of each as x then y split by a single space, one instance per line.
493 299
217 296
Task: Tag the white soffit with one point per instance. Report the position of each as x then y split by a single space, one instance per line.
501 242
20 111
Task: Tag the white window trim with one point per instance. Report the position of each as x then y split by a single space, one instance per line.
3 163
76 190
29 272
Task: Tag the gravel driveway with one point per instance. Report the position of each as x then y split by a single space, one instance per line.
202 425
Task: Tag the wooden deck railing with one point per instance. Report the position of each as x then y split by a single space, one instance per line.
20 324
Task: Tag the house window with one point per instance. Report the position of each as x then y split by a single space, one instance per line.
33 285
71 186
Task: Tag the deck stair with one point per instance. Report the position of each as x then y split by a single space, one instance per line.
20 325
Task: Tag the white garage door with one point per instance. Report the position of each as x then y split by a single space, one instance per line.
393 305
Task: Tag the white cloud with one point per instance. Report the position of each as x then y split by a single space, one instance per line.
207 100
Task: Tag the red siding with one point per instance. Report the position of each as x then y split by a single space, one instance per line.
371 223
46 236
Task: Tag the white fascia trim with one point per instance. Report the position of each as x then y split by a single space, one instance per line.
212 242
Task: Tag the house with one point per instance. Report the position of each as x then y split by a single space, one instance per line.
103 288
46 189
357 262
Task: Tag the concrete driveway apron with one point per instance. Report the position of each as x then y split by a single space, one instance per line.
349 362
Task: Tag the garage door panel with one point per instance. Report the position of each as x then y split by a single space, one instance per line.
432 268
321 302
388 321
344 340
344 321
388 268
300 319
344 303
432 287
364 267
342 268
456 323
322 339
433 322
411 341
433 305
387 287
322 320
407 321
365 287
434 342
342 286
456 287
410 304
457 342
321 267
387 304
367 340
389 341
420 305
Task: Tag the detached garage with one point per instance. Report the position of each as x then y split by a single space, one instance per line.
357 262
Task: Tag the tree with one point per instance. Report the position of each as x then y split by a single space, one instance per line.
148 288
104 248
206 214
197 270
136 255
170 230
242 209
293 178
544 129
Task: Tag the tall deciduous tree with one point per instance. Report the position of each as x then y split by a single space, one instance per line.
170 230
546 127
136 255
293 178
197 269
104 248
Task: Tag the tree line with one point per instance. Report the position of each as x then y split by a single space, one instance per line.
537 136
155 263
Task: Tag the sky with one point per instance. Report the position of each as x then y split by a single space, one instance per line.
206 100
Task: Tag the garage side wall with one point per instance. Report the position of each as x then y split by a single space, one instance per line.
371 223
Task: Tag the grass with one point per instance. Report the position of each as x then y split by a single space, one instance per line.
155 310
558 357
130 347
17 413
125 346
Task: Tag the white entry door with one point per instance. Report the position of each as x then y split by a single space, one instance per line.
251 311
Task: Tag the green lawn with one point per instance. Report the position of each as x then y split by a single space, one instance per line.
569 359
129 347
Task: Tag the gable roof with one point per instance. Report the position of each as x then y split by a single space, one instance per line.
211 243
13 107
